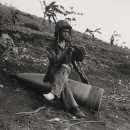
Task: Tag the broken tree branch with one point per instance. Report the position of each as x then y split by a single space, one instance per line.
31 112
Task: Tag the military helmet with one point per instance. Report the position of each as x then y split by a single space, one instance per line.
60 25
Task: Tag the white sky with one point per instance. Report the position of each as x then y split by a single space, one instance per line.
109 15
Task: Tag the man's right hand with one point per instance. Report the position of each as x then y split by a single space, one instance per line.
61 57
69 49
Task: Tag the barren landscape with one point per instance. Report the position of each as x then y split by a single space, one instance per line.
106 66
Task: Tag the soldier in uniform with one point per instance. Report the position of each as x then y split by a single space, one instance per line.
62 60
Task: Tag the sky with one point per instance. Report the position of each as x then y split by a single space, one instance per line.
109 15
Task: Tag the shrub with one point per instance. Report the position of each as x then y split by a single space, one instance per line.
33 26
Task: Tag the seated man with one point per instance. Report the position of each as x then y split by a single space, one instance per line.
61 62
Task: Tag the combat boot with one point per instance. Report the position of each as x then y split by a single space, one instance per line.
75 111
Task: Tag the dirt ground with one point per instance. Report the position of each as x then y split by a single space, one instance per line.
16 99
24 109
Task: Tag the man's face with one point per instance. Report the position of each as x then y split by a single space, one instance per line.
64 34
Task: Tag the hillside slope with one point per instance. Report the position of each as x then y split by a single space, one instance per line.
106 67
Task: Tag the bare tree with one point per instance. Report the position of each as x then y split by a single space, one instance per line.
92 32
51 10
71 12
113 37
112 40
70 19
14 17
97 30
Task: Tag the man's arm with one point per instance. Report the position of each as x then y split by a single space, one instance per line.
57 59
80 71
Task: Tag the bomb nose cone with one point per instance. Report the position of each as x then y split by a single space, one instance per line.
13 75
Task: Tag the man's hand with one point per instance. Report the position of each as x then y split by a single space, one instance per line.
69 49
61 57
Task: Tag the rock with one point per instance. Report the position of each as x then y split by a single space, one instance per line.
7 44
6 41
15 50
1 86
17 36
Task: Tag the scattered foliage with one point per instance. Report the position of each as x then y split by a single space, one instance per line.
51 10
92 32
108 71
113 37
72 12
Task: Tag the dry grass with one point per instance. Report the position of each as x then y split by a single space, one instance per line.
106 67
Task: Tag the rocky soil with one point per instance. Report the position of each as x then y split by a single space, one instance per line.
106 67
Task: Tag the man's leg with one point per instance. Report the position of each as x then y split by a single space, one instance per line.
60 78
70 102
49 96
68 97
61 89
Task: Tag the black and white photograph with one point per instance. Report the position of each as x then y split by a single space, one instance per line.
64 64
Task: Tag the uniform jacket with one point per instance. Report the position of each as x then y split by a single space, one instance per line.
53 50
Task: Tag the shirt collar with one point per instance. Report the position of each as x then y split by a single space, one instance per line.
62 44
